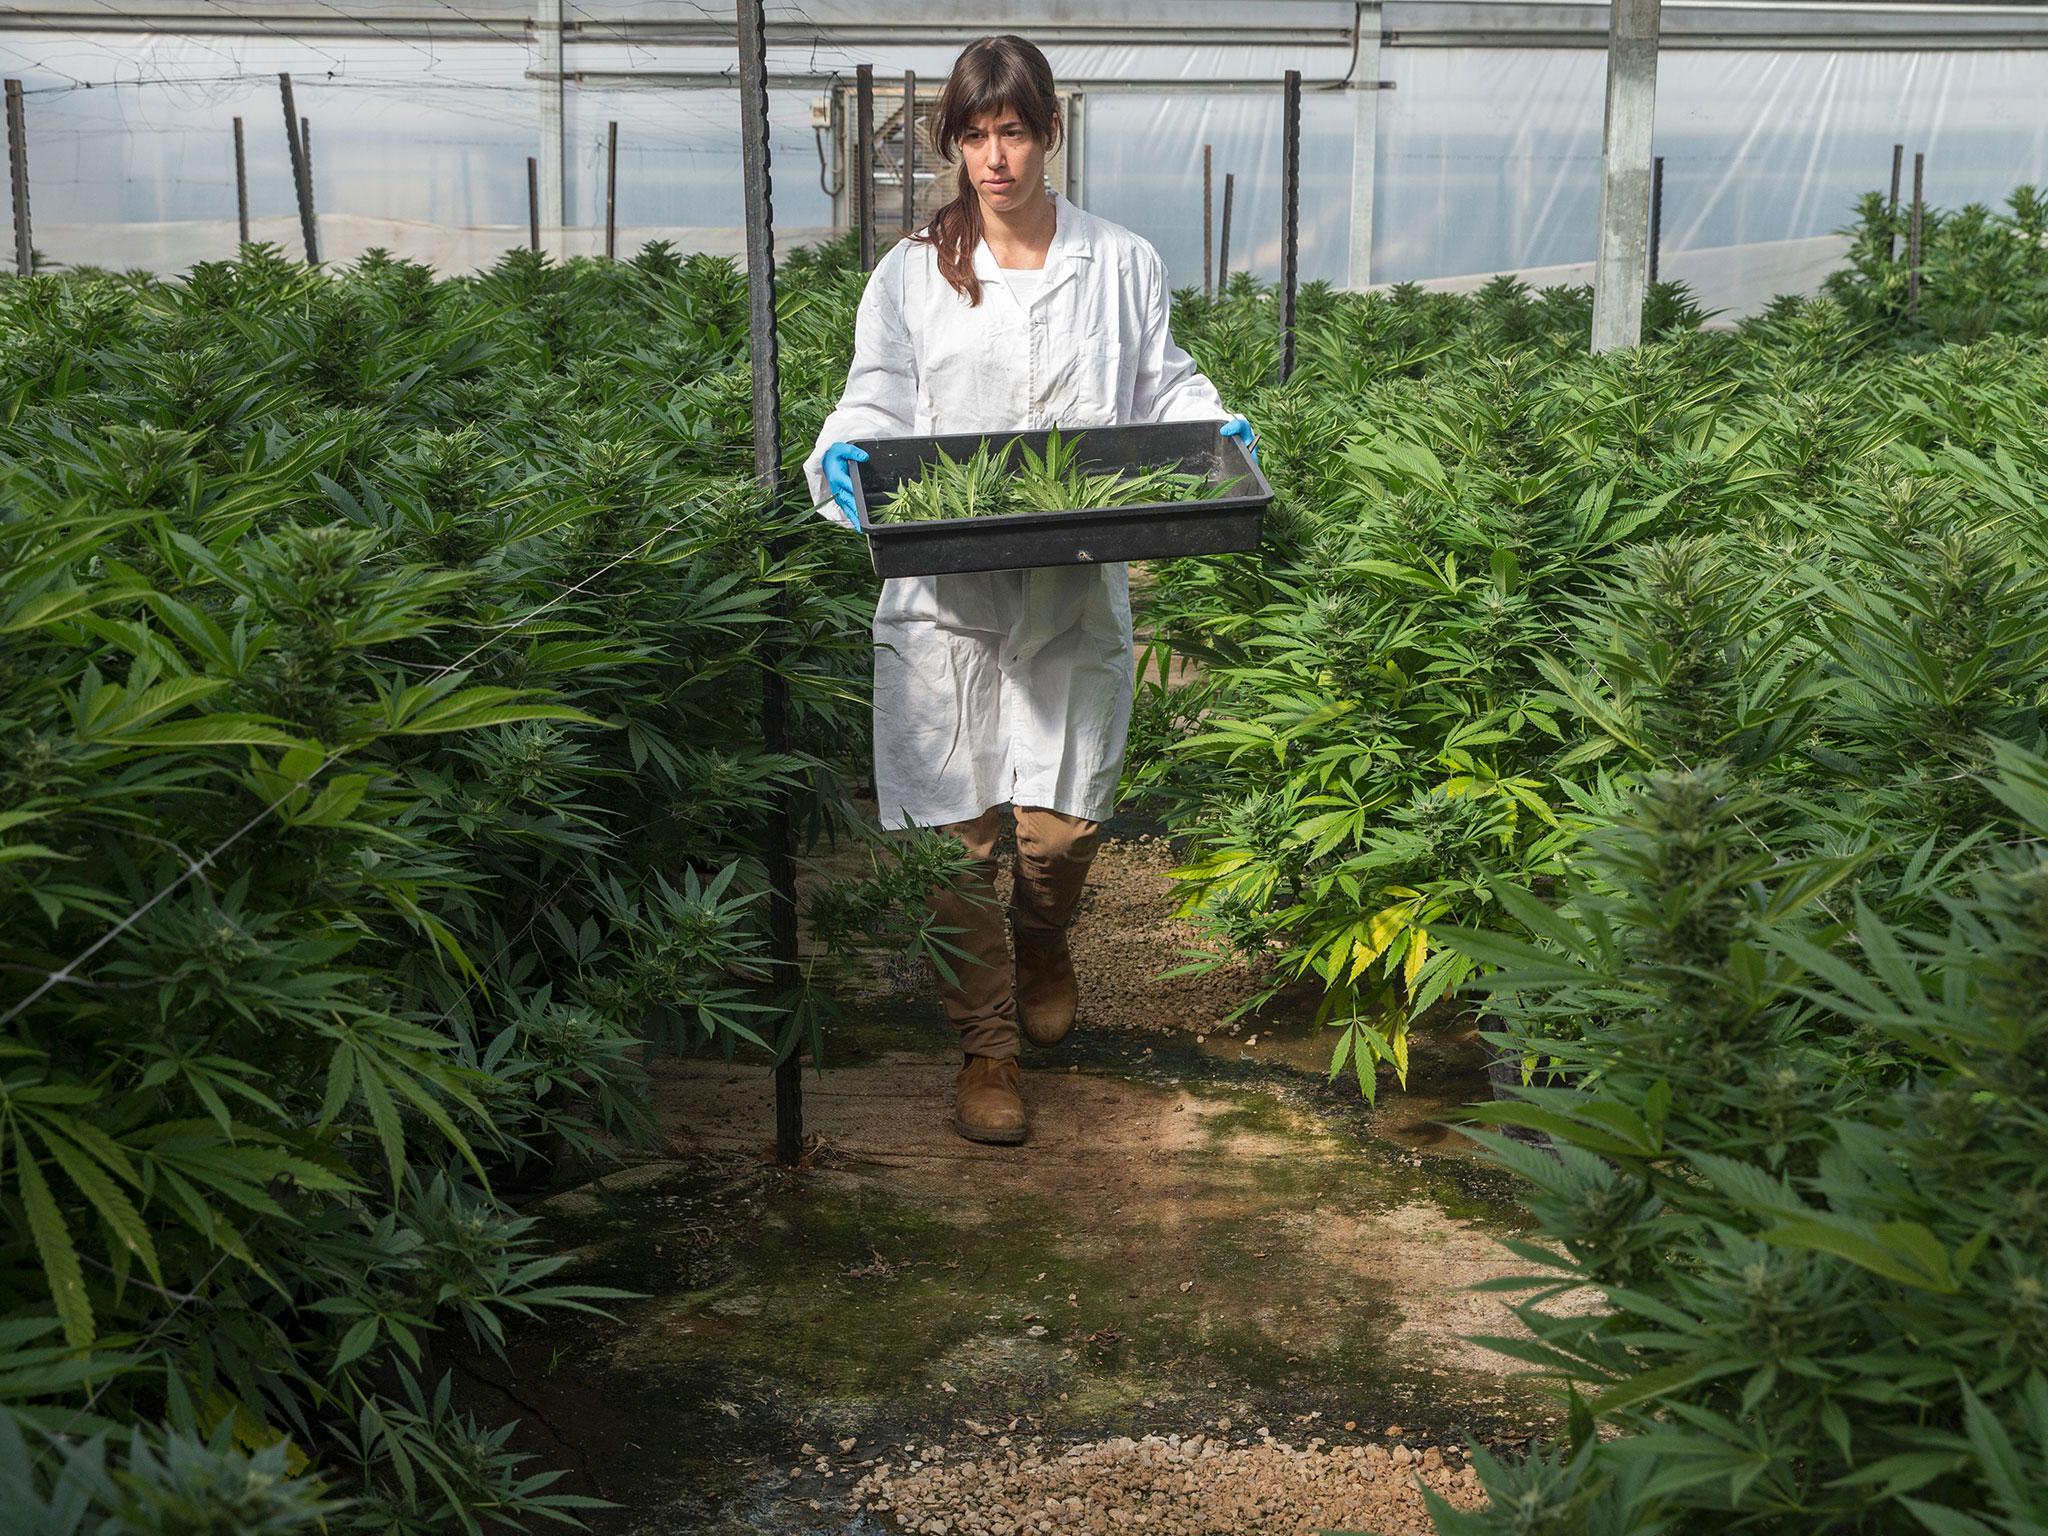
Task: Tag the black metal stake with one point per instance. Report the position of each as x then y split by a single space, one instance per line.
1208 233
1891 218
1290 213
241 183
532 203
1223 250
17 179
864 162
302 173
611 191
909 151
1656 213
1919 214
306 147
761 347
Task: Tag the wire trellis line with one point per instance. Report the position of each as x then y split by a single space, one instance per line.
182 1299
193 867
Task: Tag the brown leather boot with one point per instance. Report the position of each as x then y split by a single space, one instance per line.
1046 995
986 1103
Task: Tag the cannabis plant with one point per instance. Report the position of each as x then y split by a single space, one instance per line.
1805 1188
1505 579
1982 271
995 481
380 657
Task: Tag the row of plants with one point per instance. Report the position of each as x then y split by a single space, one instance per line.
1387 720
381 658
1683 709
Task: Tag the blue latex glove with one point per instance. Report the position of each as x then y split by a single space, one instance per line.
1241 429
838 466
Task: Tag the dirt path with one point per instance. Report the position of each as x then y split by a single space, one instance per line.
1212 1292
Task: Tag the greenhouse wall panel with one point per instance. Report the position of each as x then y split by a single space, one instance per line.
1487 158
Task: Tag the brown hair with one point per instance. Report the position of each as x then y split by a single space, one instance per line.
992 74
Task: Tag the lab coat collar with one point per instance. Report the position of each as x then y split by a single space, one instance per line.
1070 247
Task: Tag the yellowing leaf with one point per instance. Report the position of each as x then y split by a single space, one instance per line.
1418 951
1384 927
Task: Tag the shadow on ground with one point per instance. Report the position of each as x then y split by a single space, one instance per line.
1195 1238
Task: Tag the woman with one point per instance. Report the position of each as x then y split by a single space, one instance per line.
1012 310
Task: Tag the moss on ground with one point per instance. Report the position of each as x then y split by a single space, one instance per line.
784 1307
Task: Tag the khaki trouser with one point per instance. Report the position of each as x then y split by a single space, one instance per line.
1053 854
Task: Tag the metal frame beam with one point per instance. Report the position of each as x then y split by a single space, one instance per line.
1708 24
814 79
450 22
1621 263
547 39
1075 150
1365 130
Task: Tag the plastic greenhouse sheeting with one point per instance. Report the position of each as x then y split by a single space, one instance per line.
175 245
1488 158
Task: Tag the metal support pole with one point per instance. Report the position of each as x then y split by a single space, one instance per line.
302 173
1891 218
1919 214
909 151
306 149
1620 266
17 179
753 48
1223 251
1290 213
533 202
1656 213
864 161
549 81
1365 128
1208 228
1077 149
611 190
241 184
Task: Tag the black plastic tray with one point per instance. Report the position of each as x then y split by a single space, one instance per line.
1087 536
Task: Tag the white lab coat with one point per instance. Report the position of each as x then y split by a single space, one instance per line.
1009 686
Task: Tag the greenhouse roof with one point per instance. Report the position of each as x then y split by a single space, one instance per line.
1314 26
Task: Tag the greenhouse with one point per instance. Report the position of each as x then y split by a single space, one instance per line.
845 769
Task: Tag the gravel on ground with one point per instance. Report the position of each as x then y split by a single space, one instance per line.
1204 1484
1124 936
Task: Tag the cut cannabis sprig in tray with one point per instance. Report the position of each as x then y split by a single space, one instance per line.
988 484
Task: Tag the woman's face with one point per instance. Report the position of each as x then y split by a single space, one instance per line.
1006 164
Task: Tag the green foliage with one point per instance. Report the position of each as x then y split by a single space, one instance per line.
1806 1186
1981 271
994 481
380 658
1688 704
183 1487
1506 578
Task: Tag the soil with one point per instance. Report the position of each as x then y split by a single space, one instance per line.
1213 1292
